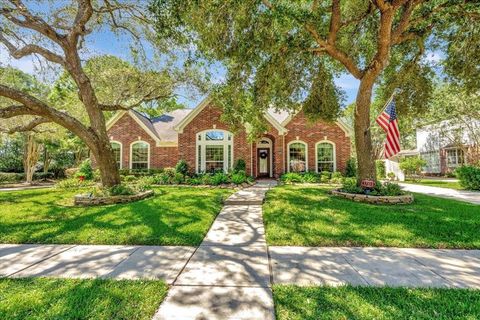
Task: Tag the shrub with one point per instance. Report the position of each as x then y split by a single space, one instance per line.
72 183
469 177
129 178
179 178
194 181
121 190
85 170
381 170
182 167
161 178
238 178
391 176
412 167
325 177
144 183
337 177
206 179
10 177
240 165
219 178
350 185
291 177
71 172
351 168
391 189
310 177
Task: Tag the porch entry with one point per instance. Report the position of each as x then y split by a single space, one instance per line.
264 158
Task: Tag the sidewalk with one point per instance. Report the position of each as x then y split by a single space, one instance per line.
462 195
228 276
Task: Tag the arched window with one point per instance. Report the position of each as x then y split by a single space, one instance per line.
214 151
117 153
140 155
297 156
325 154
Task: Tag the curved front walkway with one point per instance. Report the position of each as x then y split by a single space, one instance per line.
462 195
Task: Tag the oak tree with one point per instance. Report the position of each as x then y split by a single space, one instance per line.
285 53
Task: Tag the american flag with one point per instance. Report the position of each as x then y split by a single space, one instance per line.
388 121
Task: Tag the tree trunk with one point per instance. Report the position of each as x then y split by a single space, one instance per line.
105 161
30 157
46 159
363 137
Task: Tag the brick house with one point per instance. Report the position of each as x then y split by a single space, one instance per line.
291 143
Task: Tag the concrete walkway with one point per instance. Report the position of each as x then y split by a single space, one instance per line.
228 276
462 195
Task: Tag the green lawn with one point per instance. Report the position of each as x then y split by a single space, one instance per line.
321 303
175 216
310 216
438 183
42 298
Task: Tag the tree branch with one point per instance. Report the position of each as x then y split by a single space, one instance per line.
335 19
13 111
84 13
325 47
33 106
30 21
30 49
29 126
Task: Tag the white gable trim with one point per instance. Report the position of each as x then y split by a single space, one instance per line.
185 121
281 129
132 114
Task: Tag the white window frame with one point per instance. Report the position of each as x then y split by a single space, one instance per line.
121 151
131 153
203 143
334 154
457 163
306 154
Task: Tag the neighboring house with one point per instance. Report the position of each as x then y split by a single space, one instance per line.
444 146
198 136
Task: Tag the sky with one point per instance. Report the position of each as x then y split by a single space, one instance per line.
105 42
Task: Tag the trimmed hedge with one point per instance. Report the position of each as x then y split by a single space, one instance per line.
469 177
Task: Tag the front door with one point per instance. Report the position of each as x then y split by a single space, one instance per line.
263 162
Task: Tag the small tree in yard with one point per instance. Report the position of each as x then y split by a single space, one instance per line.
57 34
286 53
412 167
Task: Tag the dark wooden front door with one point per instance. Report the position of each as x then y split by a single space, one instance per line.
263 162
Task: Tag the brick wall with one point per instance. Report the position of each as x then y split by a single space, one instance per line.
209 118
126 131
311 133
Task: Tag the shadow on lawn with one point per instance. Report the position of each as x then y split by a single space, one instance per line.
176 217
310 216
80 299
382 303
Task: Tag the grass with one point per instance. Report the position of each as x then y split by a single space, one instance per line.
438 183
42 298
321 303
174 216
310 216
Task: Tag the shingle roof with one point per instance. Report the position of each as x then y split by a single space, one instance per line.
164 125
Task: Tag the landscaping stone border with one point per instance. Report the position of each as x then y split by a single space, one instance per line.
404 199
85 200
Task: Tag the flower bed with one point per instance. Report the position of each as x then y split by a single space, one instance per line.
91 200
401 199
